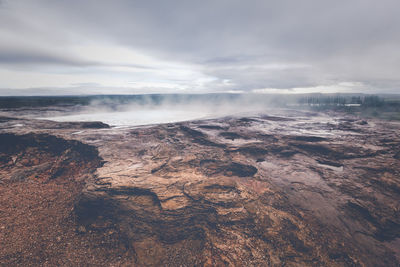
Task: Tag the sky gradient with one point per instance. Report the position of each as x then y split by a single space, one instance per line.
130 47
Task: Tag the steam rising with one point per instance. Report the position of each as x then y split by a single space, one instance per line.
154 109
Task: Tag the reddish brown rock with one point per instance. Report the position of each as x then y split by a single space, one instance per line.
277 190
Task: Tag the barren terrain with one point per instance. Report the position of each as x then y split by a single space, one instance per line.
288 189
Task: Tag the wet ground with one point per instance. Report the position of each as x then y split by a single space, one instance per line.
283 188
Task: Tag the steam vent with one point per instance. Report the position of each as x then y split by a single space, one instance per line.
296 189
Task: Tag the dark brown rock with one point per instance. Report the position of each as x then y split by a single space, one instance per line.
257 193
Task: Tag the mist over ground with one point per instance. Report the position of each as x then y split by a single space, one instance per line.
153 109
128 110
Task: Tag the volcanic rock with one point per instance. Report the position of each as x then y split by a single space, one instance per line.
276 190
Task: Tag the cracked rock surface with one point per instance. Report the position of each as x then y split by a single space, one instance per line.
290 189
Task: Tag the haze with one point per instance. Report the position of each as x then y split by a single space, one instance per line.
141 47
137 110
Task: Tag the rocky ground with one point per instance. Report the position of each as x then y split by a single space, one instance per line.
294 189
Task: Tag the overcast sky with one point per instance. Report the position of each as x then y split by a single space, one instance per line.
96 46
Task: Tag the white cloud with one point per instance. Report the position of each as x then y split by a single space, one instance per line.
342 87
201 46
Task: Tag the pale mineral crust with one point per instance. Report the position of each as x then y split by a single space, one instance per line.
294 189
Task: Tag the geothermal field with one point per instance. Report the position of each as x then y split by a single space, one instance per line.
112 184
199 133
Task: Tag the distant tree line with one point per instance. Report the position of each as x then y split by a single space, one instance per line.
340 100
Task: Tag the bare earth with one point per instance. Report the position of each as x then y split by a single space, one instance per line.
295 189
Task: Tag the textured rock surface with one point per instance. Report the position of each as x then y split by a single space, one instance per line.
296 189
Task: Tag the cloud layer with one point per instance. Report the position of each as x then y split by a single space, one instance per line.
199 46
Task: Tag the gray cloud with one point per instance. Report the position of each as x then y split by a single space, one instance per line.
31 58
243 45
25 57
